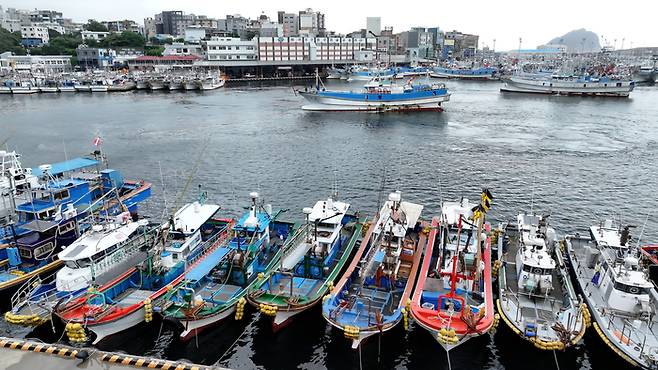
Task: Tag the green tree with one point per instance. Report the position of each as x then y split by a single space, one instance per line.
11 42
155 51
52 34
124 39
95 26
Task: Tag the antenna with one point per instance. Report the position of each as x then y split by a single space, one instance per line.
335 185
642 231
164 192
532 196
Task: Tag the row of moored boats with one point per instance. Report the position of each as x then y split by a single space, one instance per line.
75 250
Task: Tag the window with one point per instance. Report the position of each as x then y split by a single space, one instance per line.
66 227
631 289
64 194
25 253
43 250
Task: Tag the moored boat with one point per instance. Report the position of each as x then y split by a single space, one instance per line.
568 85
216 289
453 298
536 297
191 235
310 262
621 298
371 296
24 87
211 83
482 73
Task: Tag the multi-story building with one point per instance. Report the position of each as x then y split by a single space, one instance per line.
91 58
235 25
173 22
460 45
179 48
194 34
11 25
52 26
71 27
94 35
153 63
386 42
149 28
35 63
311 23
51 16
34 35
120 26
373 26
231 48
290 23
205 22
270 29
309 48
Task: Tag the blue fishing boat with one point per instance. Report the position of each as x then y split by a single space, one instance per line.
49 217
378 97
215 289
372 296
481 73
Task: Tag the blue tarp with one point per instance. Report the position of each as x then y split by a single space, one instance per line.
14 257
66 166
206 264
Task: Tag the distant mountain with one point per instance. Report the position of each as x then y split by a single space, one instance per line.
578 40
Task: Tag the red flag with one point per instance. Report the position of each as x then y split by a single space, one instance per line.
98 141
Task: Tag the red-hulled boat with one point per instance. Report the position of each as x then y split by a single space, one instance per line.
453 298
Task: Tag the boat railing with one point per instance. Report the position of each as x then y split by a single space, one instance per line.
25 291
290 244
627 333
214 241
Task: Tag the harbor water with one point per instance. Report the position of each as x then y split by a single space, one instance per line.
581 160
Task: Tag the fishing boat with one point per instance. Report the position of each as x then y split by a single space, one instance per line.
216 289
24 86
99 85
176 83
453 299
568 85
158 83
6 86
121 84
66 86
371 297
49 86
191 83
536 298
336 73
16 182
621 298
83 86
50 219
409 96
367 74
482 73
106 250
141 83
650 260
310 263
211 83
191 235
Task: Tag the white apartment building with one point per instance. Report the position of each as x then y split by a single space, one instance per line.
179 48
93 35
231 48
309 48
194 34
35 32
36 63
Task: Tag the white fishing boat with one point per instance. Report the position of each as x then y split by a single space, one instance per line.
83 86
6 86
49 86
568 85
176 83
482 73
212 83
99 85
101 254
24 87
536 298
157 83
121 84
141 84
191 83
622 299
66 86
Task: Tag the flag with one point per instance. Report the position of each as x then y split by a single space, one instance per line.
98 141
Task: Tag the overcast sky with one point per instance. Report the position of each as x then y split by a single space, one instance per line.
535 22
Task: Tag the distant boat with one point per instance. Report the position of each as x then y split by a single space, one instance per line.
568 85
482 73
24 87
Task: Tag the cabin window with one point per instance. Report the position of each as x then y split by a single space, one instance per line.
584 85
43 250
25 253
618 84
536 270
71 264
631 289
175 256
64 194
66 228
84 262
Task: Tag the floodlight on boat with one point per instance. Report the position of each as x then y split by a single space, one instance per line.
45 168
395 196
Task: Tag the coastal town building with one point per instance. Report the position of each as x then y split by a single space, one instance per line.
231 48
94 35
194 34
289 22
94 58
34 35
149 28
373 26
122 25
154 63
35 63
311 23
179 48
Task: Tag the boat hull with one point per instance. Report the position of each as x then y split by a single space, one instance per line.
82 88
5 90
329 103
48 89
191 85
99 88
570 88
192 328
24 90
67 89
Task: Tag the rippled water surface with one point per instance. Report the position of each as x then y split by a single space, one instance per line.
579 159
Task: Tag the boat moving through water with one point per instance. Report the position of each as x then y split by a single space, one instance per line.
378 98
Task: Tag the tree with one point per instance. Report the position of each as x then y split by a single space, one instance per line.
11 42
95 26
155 51
52 34
124 39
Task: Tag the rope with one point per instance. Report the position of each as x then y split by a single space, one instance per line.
232 345
557 365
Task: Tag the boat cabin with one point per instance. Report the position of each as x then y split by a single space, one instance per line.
327 218
187 229
57 196
625 287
